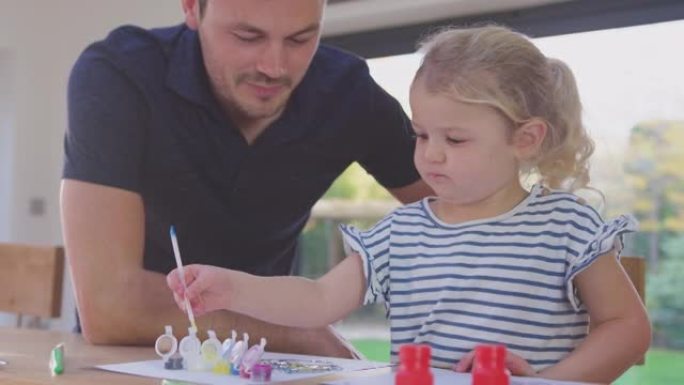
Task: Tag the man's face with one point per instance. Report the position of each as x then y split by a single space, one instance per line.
257 51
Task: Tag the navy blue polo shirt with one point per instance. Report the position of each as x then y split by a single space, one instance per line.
142 118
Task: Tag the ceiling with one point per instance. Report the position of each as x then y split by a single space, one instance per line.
347 16
373 28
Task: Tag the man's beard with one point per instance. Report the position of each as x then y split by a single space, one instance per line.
248 111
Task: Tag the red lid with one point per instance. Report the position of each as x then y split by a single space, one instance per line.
489 366
414 365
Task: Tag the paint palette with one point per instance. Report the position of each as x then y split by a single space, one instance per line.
299 366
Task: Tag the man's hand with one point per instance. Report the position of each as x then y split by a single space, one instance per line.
514 363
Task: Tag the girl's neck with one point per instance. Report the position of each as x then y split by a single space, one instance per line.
498 203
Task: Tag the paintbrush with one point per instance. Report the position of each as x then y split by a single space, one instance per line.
176 253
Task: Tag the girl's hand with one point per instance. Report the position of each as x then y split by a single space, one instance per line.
209 288
514 363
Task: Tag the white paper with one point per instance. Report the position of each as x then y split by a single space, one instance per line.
155 369
445 377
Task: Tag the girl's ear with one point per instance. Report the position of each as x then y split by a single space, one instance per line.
528 138
191 10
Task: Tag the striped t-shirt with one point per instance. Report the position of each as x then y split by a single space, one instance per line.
505 280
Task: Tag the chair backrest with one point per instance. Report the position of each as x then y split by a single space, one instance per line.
31 280
635 267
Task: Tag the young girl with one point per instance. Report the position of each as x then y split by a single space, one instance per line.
484 261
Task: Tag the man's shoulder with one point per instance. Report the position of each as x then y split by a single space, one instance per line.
331 66
338 57
130 43
142 55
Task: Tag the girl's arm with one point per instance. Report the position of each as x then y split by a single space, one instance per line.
288 301
620 330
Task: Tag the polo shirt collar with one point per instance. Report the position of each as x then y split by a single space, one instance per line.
187 75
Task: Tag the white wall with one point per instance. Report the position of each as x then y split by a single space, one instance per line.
39 42
6 139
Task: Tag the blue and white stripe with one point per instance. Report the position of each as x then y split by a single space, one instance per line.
506 279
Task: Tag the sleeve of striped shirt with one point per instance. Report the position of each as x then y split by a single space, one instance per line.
373 247
606 237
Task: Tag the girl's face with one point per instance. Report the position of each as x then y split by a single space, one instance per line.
463 151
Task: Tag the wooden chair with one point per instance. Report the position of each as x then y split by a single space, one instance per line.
635 267
31 280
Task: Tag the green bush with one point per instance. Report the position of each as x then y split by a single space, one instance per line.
665 295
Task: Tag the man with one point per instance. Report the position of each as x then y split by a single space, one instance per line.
229 127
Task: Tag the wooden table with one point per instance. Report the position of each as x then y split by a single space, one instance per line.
28 351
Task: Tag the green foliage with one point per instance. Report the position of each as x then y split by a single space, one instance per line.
373 350
665 292
313 249
356 184
662 367
656 176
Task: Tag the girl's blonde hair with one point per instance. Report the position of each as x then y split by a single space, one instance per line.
495 66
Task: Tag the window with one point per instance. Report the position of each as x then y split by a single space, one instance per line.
631 82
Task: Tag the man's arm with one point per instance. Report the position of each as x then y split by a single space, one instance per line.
119 302
411 193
